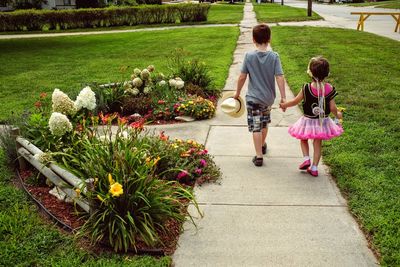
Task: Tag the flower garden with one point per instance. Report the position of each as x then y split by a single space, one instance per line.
130 186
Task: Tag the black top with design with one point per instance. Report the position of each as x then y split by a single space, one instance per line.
310 102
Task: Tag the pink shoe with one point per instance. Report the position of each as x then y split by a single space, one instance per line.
313 173
305 165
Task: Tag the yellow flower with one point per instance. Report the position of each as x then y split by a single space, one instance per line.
190 102
156 160
148 161
110 179
78 191
116 189
341 109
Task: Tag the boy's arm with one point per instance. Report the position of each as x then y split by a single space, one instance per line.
293 102
240 83
280 80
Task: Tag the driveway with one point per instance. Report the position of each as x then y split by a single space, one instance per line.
338 15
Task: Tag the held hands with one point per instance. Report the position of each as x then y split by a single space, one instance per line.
283 104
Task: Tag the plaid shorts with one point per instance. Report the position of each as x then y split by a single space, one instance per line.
258 116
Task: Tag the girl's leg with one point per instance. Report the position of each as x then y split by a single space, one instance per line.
304 148
317 151
306 154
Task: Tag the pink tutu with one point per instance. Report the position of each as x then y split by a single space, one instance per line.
306 128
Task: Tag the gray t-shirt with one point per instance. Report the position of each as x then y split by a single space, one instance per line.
262 68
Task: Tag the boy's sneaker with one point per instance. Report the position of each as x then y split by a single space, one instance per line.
264 148
257 161
313 173
305 165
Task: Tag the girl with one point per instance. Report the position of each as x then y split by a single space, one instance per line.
318 103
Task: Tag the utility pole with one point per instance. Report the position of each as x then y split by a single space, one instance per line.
309 8
282 2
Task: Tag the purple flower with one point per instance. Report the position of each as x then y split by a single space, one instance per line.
182 174
198 171
203 163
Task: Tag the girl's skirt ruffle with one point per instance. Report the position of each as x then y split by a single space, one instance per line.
306 128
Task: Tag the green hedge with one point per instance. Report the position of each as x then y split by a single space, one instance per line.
33 20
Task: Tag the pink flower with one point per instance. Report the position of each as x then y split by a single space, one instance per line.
203 163
182 174
202 152
198 171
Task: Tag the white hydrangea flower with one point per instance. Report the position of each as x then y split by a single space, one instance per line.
137 82
59 124
133 76
132 91
145 74
86 99
147 90
172 82
62 103
150 68
137 71
180 84
162 83
43 158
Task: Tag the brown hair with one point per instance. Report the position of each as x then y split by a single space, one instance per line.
319 68
261 34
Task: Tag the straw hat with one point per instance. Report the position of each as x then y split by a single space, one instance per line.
232 107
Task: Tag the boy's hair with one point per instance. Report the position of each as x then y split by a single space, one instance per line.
261 34
319 68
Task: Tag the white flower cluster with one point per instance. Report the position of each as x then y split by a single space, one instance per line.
59 124
132 91
162 83
147 90
62 103
44 158
86 99
177 83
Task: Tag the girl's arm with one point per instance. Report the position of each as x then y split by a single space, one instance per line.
293 102
334 110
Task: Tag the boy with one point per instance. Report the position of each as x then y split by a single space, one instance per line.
262 66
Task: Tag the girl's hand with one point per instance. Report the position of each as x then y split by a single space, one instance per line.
339 115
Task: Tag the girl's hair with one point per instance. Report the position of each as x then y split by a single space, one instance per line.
318 68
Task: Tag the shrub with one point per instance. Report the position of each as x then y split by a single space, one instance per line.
130 204
113 16
194 71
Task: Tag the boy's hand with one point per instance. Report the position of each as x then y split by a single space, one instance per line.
236 96
282 104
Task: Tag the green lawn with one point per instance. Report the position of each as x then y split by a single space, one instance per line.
395 4
31 66
365 160
277 13
225 13
25 240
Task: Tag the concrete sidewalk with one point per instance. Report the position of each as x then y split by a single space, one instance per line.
268 216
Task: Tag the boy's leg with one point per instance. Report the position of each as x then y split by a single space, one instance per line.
257 140
264 135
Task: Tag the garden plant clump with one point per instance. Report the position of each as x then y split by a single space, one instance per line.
136 182
154 96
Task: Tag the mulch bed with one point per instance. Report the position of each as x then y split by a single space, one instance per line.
67 214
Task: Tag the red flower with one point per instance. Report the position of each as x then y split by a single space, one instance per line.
43 95
122 120
161 102
139 125
163 136
38 104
